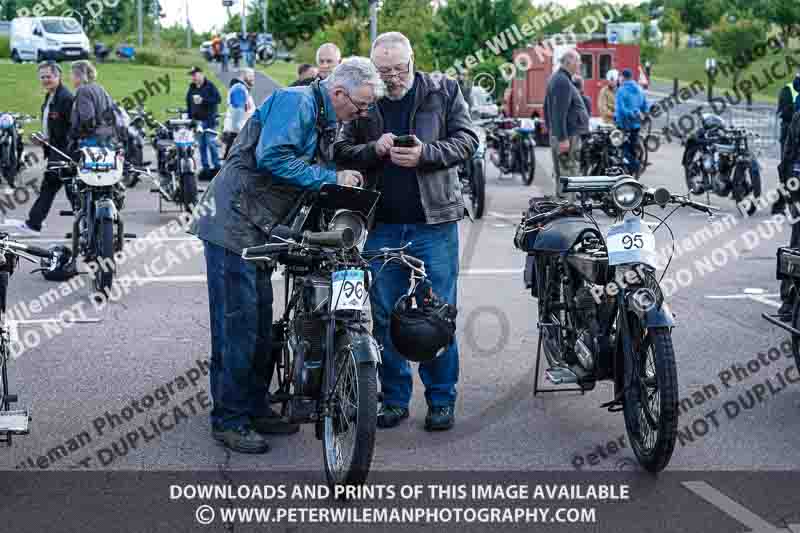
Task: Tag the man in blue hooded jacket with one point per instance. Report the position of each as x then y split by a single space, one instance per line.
285 148
631 104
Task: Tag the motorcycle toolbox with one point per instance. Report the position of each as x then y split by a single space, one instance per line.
788 263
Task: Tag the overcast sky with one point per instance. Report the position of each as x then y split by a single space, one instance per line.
205 14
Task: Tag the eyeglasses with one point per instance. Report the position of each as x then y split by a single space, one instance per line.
363 108
392 72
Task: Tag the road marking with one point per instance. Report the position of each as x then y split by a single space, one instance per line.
495 214
13 325
750 294
734 509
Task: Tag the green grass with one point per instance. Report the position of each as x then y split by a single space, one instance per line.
282 72
22 93
688 65
5 51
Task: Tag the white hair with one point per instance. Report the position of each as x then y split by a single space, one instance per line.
329 45
569 56
391 38
84 71
245 71
353 72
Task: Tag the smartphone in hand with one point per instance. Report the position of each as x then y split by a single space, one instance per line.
405 141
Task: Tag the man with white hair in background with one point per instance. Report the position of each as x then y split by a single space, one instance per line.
420 206
328 57
567 119
285 148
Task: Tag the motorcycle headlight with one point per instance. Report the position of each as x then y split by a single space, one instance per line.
627 194
350 219
6 121
617 137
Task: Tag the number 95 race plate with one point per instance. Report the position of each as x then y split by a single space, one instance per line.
349 292
631 241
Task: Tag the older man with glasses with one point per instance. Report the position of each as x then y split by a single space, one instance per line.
420 206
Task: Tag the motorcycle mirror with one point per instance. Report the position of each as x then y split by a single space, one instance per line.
662 196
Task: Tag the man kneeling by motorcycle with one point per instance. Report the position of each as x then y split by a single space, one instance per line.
284 149
790 158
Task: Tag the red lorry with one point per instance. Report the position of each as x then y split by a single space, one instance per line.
525 97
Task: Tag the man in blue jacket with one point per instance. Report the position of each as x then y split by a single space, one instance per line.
630 105
284 149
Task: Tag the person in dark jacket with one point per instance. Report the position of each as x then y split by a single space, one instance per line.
56 111
578 82
306 73
285 149
788 104
202 101
566 117
420 206
789 157
92 120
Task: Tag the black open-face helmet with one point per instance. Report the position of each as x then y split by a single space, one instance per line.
64 267
422 325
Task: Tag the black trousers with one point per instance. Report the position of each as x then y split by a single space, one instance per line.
51 184
787 285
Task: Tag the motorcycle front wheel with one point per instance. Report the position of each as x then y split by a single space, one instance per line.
527 161
104 255
651 395
188 191
348 434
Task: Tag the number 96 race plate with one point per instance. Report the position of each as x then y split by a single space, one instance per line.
631 241
349 292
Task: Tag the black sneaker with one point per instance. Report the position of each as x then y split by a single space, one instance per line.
242 440
273 424
391 415
440 418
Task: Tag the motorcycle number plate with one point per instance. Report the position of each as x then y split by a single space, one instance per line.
349 291
631 241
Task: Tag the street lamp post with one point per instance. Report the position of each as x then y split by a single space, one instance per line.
373 20
711 70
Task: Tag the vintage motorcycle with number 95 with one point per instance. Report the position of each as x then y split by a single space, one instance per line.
602 314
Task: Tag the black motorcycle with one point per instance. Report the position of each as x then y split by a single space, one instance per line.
719 159
510 147
94 186
325 356
472 174
13 421
175 142
134 146
12 145
788 268
602 153
602 314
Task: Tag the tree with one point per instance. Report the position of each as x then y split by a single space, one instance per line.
734 42
290 20
785 14
698 16
414 19
672 24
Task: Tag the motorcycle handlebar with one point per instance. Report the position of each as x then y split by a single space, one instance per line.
344 238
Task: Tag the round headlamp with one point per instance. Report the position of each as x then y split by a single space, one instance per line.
627 194
350 219
6 121
617 137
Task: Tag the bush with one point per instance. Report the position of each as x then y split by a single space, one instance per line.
5 48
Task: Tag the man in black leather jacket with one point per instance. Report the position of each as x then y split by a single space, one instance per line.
791 154
421 204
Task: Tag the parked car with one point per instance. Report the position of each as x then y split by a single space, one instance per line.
41 38
205 50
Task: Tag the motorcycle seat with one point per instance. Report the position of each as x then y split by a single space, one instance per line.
561 234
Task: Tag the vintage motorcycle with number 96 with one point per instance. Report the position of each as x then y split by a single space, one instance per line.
602 314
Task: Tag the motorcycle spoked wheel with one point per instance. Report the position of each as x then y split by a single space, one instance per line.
527 162
746 182
104 256
651 395
796 338
478 179
348 434
550 291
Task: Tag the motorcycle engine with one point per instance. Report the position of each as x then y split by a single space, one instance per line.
308 336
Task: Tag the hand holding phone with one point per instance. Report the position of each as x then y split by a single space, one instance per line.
405 141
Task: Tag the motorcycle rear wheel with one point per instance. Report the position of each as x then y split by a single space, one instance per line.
527 161
753 186
348 435
188 191
652 425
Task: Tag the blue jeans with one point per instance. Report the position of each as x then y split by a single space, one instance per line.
629 150
437 245
240 305
207 142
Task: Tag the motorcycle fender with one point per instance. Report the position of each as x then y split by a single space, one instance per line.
105 209
660 317
365 347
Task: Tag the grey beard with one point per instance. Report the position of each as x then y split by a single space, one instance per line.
398 97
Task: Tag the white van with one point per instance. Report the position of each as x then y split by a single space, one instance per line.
41 38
